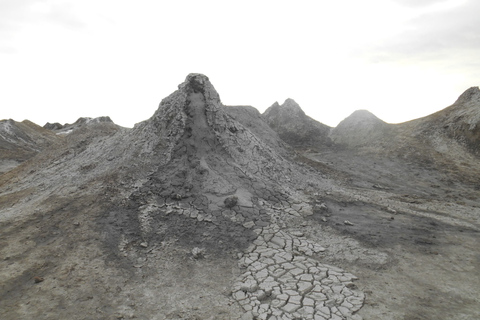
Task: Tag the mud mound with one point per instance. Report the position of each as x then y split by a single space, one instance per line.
253 120
460 122
295 127
361 128
446 141
20 141
203 212
68 128
190 189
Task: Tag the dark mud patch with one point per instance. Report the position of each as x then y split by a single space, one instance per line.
374 226
218 237
426 307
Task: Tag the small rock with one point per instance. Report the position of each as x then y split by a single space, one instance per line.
231 202
143 244
198 253
176 196
348 223
351 285
323 219
38 279
392 210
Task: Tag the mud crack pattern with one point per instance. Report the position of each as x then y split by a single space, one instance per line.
282 279
282 283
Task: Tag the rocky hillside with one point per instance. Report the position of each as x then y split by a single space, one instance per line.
446 141
252 119
188 204
20 141
82 121
459 124
454 127
204 212
295 127
362 129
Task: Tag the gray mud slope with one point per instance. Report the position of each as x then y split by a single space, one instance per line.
446 141
203 212
185 216
20 141
416 192
295 127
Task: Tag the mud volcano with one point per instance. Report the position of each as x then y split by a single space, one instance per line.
204 212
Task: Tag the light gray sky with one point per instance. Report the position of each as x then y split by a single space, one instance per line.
400 59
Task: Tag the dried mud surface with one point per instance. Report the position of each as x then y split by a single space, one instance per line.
423 220
203 212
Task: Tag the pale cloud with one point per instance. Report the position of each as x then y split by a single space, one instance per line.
419 3
64 14
12 14
7 50
19 17
433 35
15 14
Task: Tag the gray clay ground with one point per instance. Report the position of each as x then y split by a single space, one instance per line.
202 212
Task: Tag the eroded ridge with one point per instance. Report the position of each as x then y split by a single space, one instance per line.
282 282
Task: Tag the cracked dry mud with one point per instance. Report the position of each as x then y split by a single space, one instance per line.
280 281
203 212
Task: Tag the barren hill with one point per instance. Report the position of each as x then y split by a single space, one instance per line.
19 141
82 121
456 126
295 127
362 128
204 212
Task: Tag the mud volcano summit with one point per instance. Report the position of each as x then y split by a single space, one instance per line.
206 211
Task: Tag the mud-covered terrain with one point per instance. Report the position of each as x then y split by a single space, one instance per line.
412 192
425 223
204 211
20 141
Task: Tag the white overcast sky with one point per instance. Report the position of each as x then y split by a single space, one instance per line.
400 59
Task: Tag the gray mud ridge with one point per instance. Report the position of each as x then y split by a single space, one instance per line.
204 212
